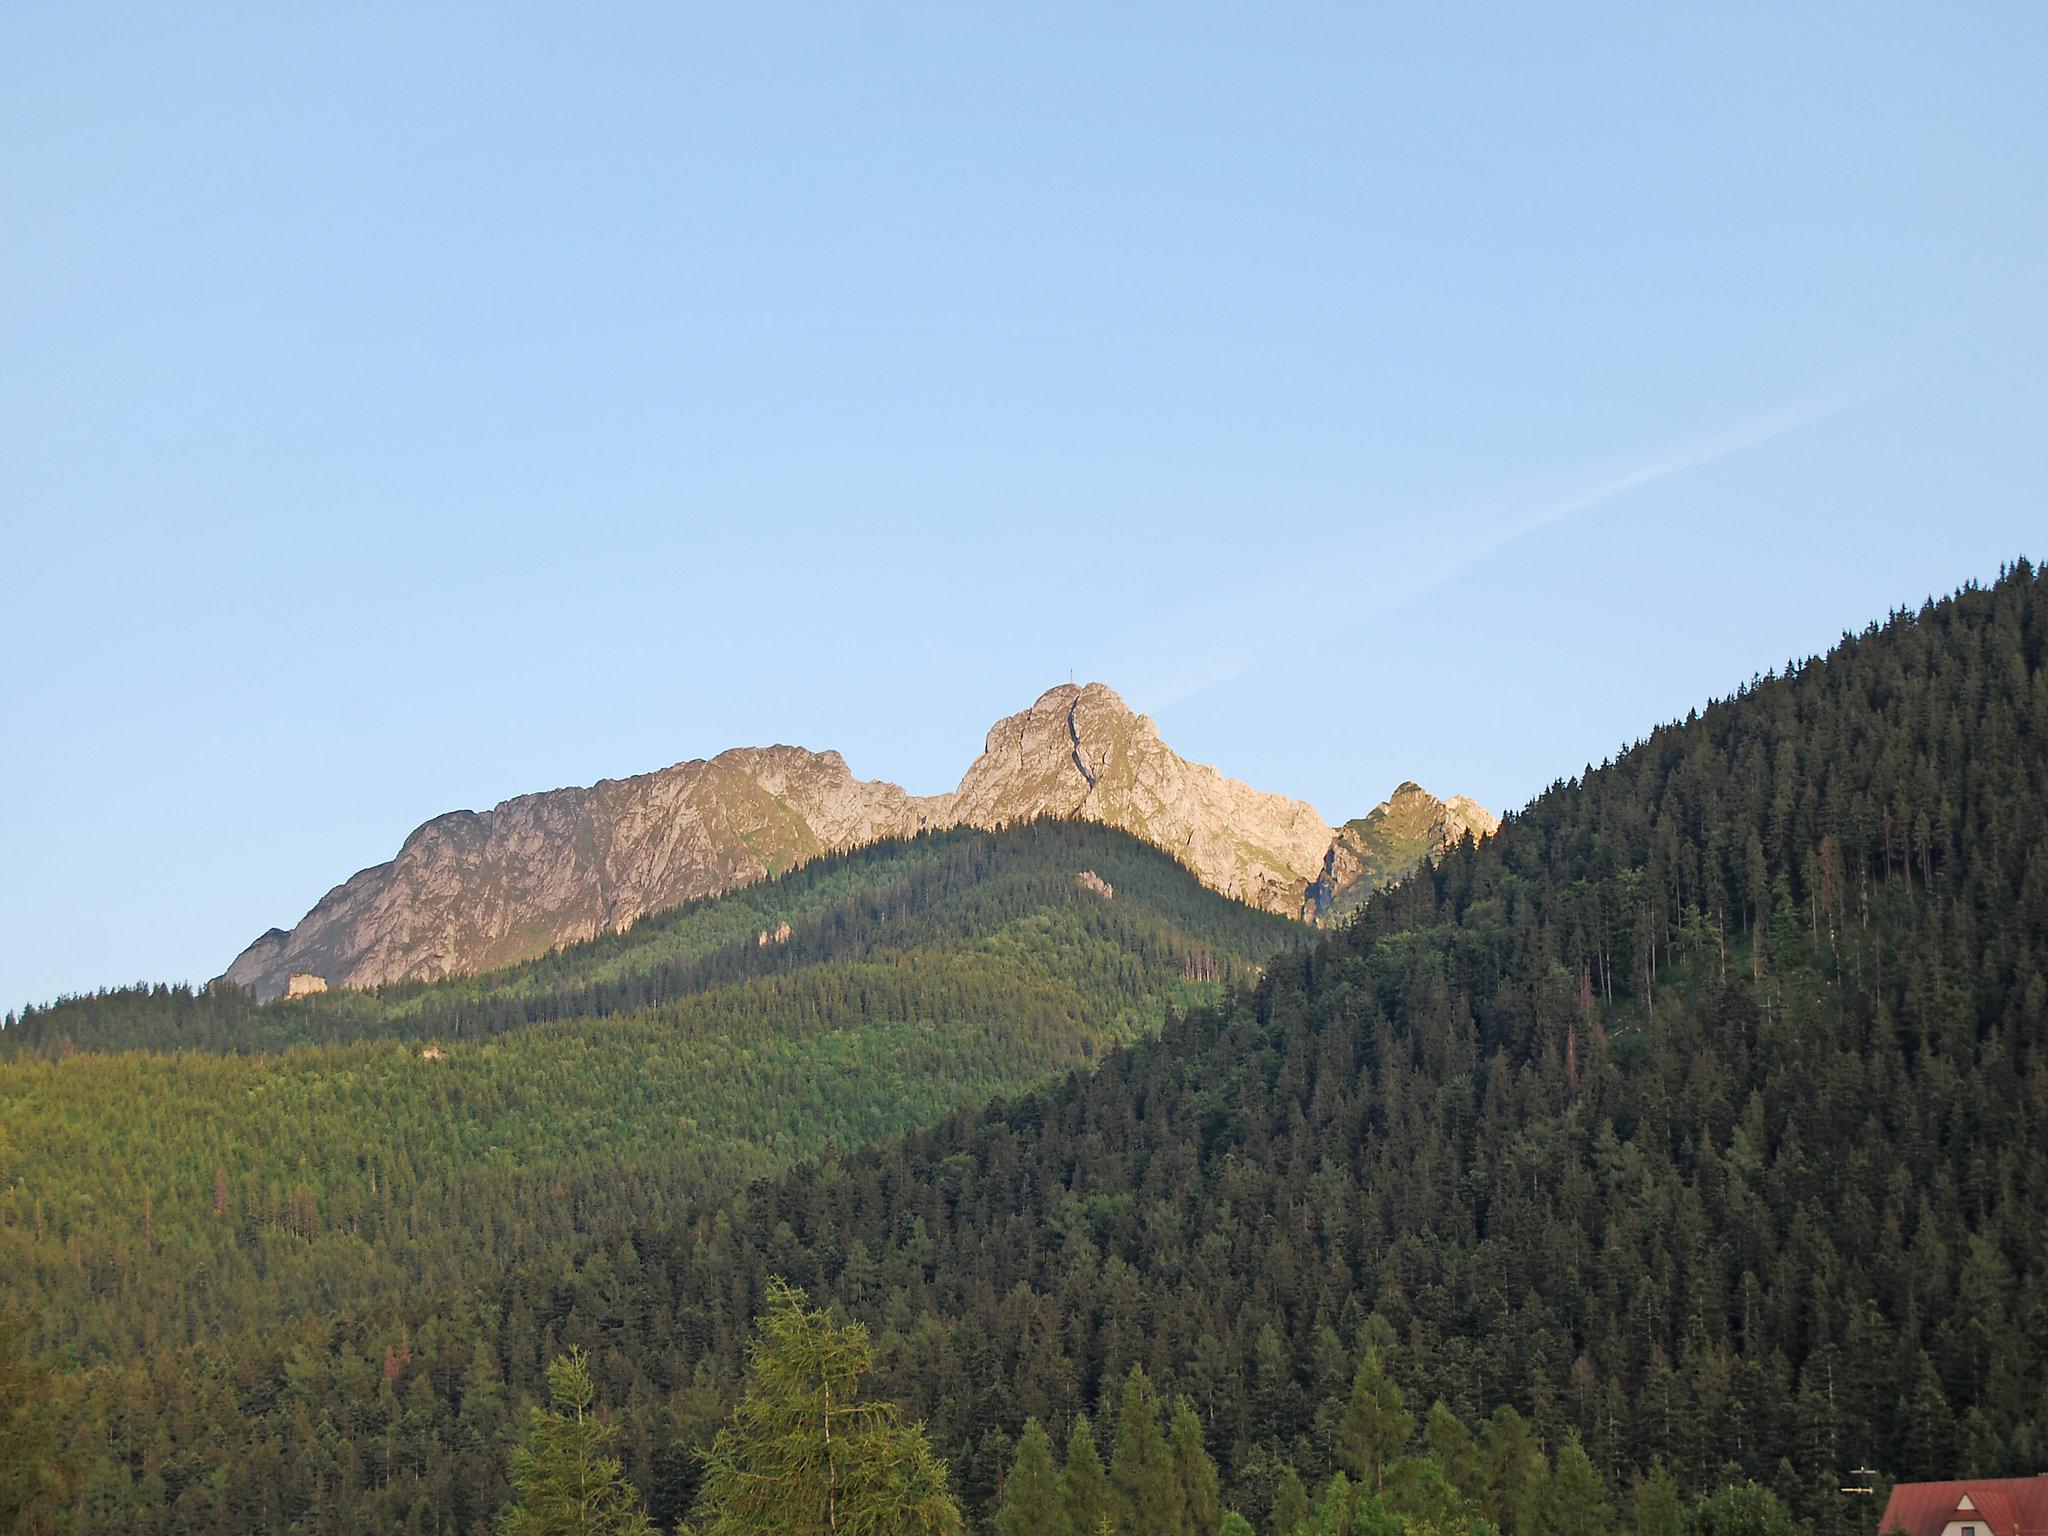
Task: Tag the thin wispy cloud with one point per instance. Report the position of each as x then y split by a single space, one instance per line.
1429 549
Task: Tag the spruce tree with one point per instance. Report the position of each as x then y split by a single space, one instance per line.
1194 1474
1031 1493
1578 1500
1141 1467
1376 1423
1927 1425
1290 1505
804 1455
565 1481
1085 1495
1655 1508
1739 1509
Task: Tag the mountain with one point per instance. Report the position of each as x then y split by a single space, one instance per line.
194 1182
1378 848
1687 1131
472 891
1692 1122
1081 752
351 1150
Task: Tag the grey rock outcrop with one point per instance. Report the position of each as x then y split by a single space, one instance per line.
476 889
1082 753
473 890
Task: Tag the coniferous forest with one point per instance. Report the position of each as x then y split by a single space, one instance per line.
1648 1166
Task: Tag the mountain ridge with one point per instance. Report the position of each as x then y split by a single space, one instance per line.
470 891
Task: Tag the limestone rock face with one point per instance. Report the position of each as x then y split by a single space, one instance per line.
473 890
1378 848
1081 752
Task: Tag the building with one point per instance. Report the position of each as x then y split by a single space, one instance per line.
1991 1506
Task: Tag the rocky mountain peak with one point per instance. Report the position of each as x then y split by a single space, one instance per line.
1369 852
472 890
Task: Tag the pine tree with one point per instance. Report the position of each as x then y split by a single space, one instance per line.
1655 1509
805 1456
1031 1493
1194 1474
28 1433
1578 1500
1376 1423
1290 1505
1740 1509
565 1482
1334 1508
1085 1494
1450 1443
1141 1468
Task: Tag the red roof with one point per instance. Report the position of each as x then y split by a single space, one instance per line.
2003 1506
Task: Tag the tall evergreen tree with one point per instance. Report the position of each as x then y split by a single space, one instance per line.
566 1480
1141 1467
1654 1505
1376 1425
1452 1446
805 1455
1290 1505
1578 1499
1031 1493
1200 1494
1426 1500
1517 1476
1085 1494
1927 1422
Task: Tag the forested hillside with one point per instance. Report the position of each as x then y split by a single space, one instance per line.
173 1216
1693 1122
936 891
1700 1112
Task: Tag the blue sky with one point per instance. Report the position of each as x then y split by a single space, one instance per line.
406 407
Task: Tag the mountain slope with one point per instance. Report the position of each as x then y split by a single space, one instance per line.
336 1149
1376 849
1698 1112
472 891
1080 752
